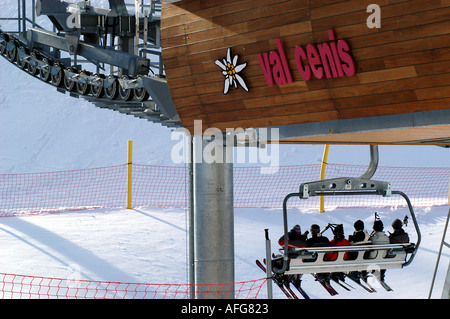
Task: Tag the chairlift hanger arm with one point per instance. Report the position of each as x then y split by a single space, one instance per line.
373 165
416 225
286 236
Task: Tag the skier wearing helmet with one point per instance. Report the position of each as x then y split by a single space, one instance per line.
399 235
295 237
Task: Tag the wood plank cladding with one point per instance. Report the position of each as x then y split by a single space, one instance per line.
427 135
402 67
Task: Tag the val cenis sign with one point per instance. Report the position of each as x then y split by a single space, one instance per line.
331 59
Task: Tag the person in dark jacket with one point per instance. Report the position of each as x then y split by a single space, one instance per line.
315 239
360 234
399 235
295 237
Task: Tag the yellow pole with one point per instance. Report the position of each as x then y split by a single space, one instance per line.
322 175
130 173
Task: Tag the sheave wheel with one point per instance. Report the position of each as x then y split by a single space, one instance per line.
141 94
45 72
112 91
11 55
32 68
125 94
83 88
2 43
69 84
97 90
57 78
22 64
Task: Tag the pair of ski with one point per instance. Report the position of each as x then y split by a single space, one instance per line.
283 281
341 282
385 285
358 278
325 282
381 282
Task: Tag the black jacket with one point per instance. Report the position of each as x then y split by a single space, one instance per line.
295 239
399 236
318 241
359 235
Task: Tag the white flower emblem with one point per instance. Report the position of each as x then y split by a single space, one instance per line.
230 70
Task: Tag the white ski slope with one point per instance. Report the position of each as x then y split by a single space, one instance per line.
43 130
149 245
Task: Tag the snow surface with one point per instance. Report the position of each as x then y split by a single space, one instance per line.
149 245
43 130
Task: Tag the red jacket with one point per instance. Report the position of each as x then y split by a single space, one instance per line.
334 242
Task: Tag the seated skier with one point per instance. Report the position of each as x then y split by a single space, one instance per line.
359 236
378 237
316 239
338 240
295 238
399 235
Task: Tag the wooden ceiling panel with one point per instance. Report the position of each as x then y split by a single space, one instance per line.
436 135
402 67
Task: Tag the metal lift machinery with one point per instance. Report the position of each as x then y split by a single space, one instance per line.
105 38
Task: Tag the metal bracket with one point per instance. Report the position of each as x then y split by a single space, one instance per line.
131 83
134 64
344 184
72 40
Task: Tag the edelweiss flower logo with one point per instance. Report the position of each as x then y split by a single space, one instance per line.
230 70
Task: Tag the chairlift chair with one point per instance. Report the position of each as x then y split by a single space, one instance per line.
313 259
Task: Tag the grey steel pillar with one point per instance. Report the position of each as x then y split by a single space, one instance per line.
213 219
446 289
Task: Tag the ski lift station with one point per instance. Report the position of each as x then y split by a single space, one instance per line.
234 73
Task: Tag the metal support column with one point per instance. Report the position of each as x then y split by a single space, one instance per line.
213 224
269 266
191 218
446 289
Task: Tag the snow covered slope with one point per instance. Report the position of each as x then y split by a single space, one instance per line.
148 245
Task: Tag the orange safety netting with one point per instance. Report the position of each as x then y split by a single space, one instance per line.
168 186
30 287
160 186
